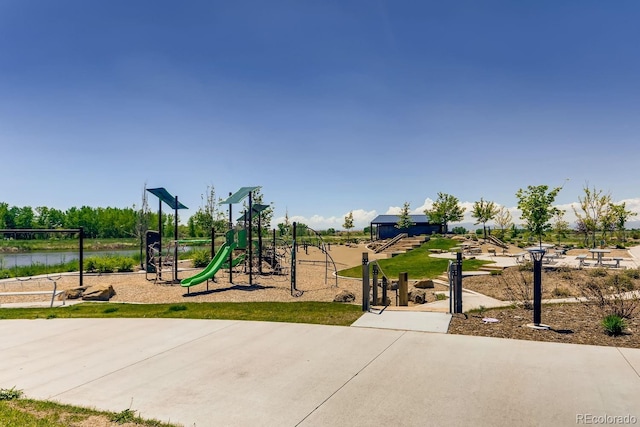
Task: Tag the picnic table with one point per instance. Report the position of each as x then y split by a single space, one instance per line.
599 253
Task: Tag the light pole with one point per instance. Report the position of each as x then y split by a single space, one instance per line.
537 255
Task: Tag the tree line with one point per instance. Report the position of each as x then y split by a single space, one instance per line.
598 217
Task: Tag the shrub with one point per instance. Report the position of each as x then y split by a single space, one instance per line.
124 264
518 288
201 258
620 282
561 292
10 393
441 297
632 273
597 272
614 325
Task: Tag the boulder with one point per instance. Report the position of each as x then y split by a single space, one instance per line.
75 293
98 293
425 284
418 296
345 296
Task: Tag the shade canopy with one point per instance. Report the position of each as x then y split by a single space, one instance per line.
164 195
238 196
255 210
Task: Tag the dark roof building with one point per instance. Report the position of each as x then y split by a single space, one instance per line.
386 226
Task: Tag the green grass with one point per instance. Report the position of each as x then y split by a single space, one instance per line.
37 413
417 262
324 313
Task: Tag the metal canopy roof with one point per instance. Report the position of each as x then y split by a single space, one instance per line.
164 195
393 219
238 196
255 210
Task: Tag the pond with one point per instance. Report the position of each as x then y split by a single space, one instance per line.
21 259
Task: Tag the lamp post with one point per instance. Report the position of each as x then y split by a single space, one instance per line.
536 255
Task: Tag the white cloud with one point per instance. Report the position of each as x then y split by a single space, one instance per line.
361 219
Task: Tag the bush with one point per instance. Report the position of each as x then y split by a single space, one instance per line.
561 292
10 393
632 273
598 272
201 258
620 282
614 325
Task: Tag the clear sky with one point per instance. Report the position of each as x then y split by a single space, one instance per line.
330 106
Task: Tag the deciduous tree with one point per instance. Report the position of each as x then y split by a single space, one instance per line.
536 204
445 209
484 211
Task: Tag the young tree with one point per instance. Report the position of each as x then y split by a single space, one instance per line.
503 220
285 227
560 226
348 223
594 207
404 218
536 205
445 209
484 211
620 217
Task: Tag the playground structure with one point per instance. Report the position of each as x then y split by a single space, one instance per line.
310 237
154 253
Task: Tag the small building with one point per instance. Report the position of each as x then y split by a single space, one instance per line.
386 226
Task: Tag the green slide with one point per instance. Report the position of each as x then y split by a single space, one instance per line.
236 261
212 268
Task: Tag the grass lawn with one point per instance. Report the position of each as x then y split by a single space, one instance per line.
15 411
293 312
417 262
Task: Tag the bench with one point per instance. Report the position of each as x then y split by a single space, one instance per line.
617 260
492 251
581 258
54 293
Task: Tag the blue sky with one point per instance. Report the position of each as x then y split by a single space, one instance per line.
330 106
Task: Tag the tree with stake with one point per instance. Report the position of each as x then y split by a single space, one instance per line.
536 205
503 219
445 209
484 211
404 218
594 207
348 224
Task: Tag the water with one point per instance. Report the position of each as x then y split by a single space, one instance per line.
12 260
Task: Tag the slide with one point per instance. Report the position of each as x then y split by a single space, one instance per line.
236 261
211 269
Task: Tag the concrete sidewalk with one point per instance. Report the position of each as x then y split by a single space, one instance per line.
234 373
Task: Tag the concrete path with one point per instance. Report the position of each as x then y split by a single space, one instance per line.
233 373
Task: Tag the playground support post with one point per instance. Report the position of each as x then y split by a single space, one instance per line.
230 252
365 281
294 248
159 266
175 248
81 255
250 239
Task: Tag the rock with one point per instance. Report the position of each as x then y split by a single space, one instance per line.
98 293
418 296
75 293
425 284
345 296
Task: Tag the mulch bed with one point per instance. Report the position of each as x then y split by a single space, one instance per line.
575 322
